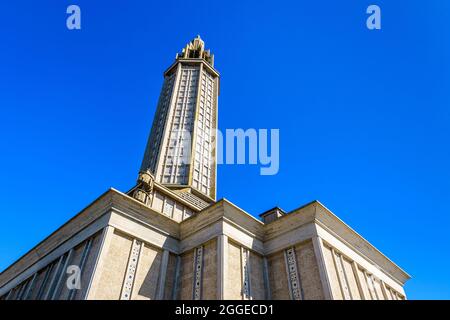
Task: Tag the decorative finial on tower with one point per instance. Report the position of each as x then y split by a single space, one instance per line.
196 50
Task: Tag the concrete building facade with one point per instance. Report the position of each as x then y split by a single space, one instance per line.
168 237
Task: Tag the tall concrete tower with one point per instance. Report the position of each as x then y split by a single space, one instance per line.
181 149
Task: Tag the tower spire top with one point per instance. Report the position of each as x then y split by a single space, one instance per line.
195 49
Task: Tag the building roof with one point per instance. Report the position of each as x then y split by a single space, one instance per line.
192 199
272 210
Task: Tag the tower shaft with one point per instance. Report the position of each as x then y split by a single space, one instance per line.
181 149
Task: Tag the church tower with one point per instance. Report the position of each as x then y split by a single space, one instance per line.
181 149
167 237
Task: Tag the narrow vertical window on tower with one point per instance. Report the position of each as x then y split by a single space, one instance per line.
152 150
203 155
176 160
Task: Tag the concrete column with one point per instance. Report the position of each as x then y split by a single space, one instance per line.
162 275
62 275
52 281
358 281
8 296
84 257
222 265
176 283
107 234
30 287
384 290
318 252
268 293
342 277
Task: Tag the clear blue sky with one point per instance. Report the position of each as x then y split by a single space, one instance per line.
363 115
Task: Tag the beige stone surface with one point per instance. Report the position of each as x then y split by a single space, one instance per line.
170 277
112 274
363 282
88 267
256 276
309 272
38 284
332 274
187 275
278 276
75 260
46 286
233 286
378 290
209 275
351 279
146 278
157 203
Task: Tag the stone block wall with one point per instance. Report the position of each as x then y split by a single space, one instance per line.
209 271
132 269
278 278
308 269
187 275
233 285
298 278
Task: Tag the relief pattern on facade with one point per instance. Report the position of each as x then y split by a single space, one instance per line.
198 268
131 270
293 277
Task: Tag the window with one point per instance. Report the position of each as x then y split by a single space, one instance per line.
168 207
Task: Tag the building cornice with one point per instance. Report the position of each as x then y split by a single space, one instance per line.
192 61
